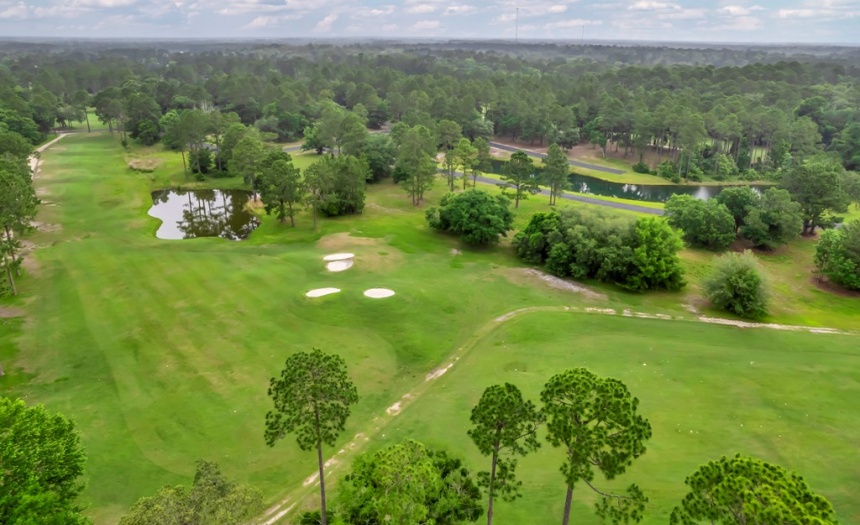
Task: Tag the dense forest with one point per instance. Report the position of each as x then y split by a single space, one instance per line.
704 119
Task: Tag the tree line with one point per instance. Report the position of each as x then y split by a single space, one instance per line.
594 422
695 121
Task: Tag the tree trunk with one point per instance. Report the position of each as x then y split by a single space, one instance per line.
9 276
12 249
315 215
292 219
184 165
567 501
322 484
87 115
492 480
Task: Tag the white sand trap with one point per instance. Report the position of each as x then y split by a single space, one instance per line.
378 293
319 292
339 266
338 257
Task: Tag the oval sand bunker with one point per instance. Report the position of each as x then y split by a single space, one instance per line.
338 257
319 292
339 266
378 293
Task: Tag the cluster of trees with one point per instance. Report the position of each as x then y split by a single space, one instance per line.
639 255
17 204
767 219
837 255
593 421
700 119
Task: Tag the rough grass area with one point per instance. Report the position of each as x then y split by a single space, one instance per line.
161 351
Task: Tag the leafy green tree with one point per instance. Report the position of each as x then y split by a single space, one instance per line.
556 171
312 399
281 189
706 224
246 159
340 130
847 144
212 499
773 220
483 160
408 484
476 216
42 462
596 422
738 200
449 133
380 153
817 187
318 182
736 285
520 177
744 490
415 159
655 257
837 255
14 144
534 242
465 157
503 424
17 208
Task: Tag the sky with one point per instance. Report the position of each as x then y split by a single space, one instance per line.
761 21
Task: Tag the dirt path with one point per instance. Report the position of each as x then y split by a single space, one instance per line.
336 462
35 161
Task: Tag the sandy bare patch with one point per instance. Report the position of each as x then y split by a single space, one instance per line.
7 312
339 266
455 251
378 293
772 326
439 372
605 311
339 257
320 292
394 409
562 284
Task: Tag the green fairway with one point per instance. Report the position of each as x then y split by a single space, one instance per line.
161 351
708 391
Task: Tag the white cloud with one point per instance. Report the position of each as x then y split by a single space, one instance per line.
739 10
17 11
651 5
555 9
102 3
325 24
376 12
426 25
460 9
421 9
390 28
574 22
242 8
267 21
684 14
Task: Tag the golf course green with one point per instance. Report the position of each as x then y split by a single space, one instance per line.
161 350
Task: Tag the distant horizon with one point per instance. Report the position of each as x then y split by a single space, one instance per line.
787 22
407 39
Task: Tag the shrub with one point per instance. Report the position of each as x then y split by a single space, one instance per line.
736 285
773 219
476 216
837 255
641 167
706 224
634 254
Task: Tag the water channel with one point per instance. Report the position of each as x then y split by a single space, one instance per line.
187 214
645 192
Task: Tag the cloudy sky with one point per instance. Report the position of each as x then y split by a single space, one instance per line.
831 21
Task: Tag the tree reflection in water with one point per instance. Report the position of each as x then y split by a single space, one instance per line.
187 214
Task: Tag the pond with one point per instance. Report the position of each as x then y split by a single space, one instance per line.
187 214
640 192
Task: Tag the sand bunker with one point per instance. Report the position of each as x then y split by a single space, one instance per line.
319 292
378 293
339 266
338 257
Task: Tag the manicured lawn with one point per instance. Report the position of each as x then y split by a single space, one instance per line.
707 391
161 351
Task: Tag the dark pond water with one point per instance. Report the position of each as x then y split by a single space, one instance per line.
639 192
636 192
186 214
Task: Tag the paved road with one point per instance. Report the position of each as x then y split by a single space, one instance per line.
576 163
589 200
